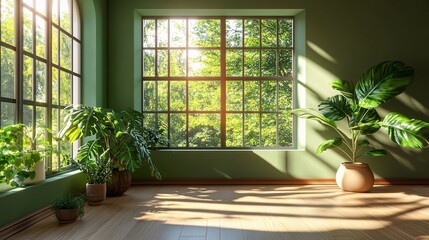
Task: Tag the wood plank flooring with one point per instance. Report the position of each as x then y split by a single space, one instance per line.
249 213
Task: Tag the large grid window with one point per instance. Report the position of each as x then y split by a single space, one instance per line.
40 66
219 82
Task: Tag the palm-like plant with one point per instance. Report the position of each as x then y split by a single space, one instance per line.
117 137
357 106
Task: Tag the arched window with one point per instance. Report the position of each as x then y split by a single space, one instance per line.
40 65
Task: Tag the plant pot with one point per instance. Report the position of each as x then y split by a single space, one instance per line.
67 215
95 193
118 183
5 187
39 168
355 177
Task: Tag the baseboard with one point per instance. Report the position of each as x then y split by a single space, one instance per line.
25 222
287 181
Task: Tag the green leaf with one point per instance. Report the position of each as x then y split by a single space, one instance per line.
366 120
383 82
331 143
345 87
312 114
363 143
335 108
375 153
406 132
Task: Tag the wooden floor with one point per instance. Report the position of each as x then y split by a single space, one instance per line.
249 213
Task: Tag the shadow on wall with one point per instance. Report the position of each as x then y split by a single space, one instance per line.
400 162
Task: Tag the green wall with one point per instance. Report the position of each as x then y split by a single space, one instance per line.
341 40
18 203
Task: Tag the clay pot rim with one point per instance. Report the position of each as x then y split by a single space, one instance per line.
355 164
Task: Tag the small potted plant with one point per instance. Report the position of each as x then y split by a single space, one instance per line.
69 208
22 155
356 105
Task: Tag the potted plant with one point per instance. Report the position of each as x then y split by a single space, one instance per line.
22 155
356 105
120 141
69 208
130 148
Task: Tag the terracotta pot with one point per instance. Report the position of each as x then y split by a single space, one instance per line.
118 183
95 193
355 177
66 215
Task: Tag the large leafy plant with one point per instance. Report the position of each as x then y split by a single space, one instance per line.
356 104
119 139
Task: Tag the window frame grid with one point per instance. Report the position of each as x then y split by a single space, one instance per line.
20 54
223 78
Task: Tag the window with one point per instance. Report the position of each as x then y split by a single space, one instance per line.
40 65
219 82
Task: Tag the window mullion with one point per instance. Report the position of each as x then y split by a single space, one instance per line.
223 81
19 75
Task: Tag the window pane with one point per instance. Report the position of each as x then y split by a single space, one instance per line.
269 63
55 86
285 95
204 130
204 33
8 21
268 130
285 63
7 73
27 117
285 130
65 88
251 129
177 63
177 33
285 33
251 33
234 130
269 32
162 96
55 11
41 6
40 81
29 3
251 63
178 130
28 78
269 95
149 96
204 96
162 63
148 33
65 15
55 45
28 30
234 96
177 95
40 116
65 51
205 63
40 37
162 32
234 60
149 63
234 32
7 113
251 95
